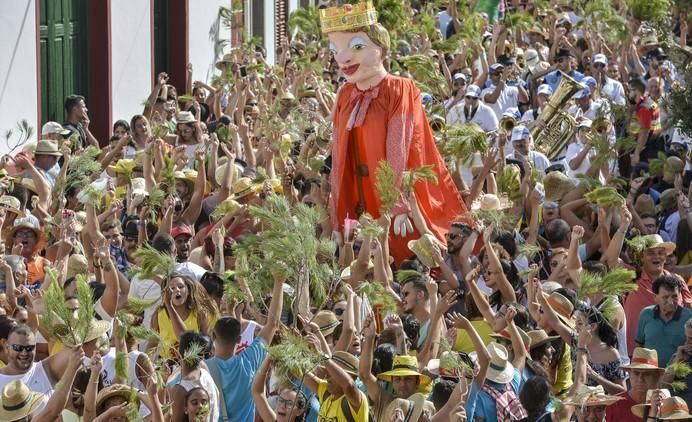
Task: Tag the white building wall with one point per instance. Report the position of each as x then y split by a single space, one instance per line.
269 30
131 57
205 32
18 73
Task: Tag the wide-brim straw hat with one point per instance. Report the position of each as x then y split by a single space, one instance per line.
347 362
639 409
326 321
504 335
115 390
643 358
500 370
17 401
244 187
562 307
47 147
96 330
556 185
10 203
412 408
404 366
539 338
346 272
424 248
185 117
674 408
591 396
656 241
226 60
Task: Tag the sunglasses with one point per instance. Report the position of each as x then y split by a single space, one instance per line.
19 348
598 65
339 311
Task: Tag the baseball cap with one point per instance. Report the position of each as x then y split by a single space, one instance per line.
600 58
181 230
458 76
512 112
582 94
545 89
589 81
496 67
473 91
426 98
54 127
520 132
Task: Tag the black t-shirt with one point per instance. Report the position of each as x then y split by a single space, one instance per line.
79 129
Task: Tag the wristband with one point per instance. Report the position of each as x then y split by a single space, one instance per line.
582 350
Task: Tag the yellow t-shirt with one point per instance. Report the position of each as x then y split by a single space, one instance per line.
463 342
563 377
169 341
330 409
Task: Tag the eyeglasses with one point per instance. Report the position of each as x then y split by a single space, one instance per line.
25 233
19 348
468 97
287 403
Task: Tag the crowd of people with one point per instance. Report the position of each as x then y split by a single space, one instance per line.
189 268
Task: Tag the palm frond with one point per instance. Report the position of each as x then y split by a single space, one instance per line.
229 206
605 196
369 227
463 141
411 177
509 182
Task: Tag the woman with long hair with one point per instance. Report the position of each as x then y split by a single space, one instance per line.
185 306
141 132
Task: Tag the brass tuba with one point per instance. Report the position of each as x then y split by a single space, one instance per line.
507 123
551 138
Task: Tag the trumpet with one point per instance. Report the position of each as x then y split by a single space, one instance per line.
600 126
507 123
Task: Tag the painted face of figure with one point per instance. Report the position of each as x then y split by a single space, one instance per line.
358 57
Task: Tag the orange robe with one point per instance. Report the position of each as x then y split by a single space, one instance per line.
388 122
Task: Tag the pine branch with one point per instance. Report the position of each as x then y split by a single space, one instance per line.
293 357
385 184
377 295
153 263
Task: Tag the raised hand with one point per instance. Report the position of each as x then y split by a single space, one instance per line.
577 232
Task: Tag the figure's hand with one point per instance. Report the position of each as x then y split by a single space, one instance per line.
402 225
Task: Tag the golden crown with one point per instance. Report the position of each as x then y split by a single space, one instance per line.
348 16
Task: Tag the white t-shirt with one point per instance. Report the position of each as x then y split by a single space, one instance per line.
36 379
146 290
537 159
613 90
483 117
508 98
573 150
190 269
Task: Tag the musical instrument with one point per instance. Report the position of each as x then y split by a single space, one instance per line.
507 123
552 137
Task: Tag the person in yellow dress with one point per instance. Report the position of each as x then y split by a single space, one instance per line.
185 306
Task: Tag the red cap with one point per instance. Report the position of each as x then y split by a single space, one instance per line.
179 230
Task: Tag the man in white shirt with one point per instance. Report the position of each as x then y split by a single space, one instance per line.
473 110
521 140
579 153
542 96
609 88
500 96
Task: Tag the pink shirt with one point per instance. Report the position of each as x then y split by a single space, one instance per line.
643 297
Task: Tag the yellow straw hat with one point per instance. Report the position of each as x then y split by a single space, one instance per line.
17 401
404 366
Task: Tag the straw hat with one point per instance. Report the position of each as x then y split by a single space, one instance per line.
347 362
50 128
10 203
404 366
500 369
644 205
346 273
115 390
539 337
656 241
644 359
674 408
47 147
423 248
327 322
562 306
412 408
226 60
220 172
77 264
243 187
17 401
556 185
491 202
97 328
586 396
437 367
27 222
639 409
185 117
504 335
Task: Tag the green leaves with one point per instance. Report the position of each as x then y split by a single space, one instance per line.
377 295
605 196
426 73
411 177
678 102
153 263
463 141
385 183
293 357
615 282
653 11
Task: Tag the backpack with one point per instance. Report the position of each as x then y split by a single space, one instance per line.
508 406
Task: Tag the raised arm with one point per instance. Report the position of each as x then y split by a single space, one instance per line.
193 210
365 364
560 327
460 322
264 410
275 306
504 286
432 343
348 328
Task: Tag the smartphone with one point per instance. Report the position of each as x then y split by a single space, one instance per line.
243 71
